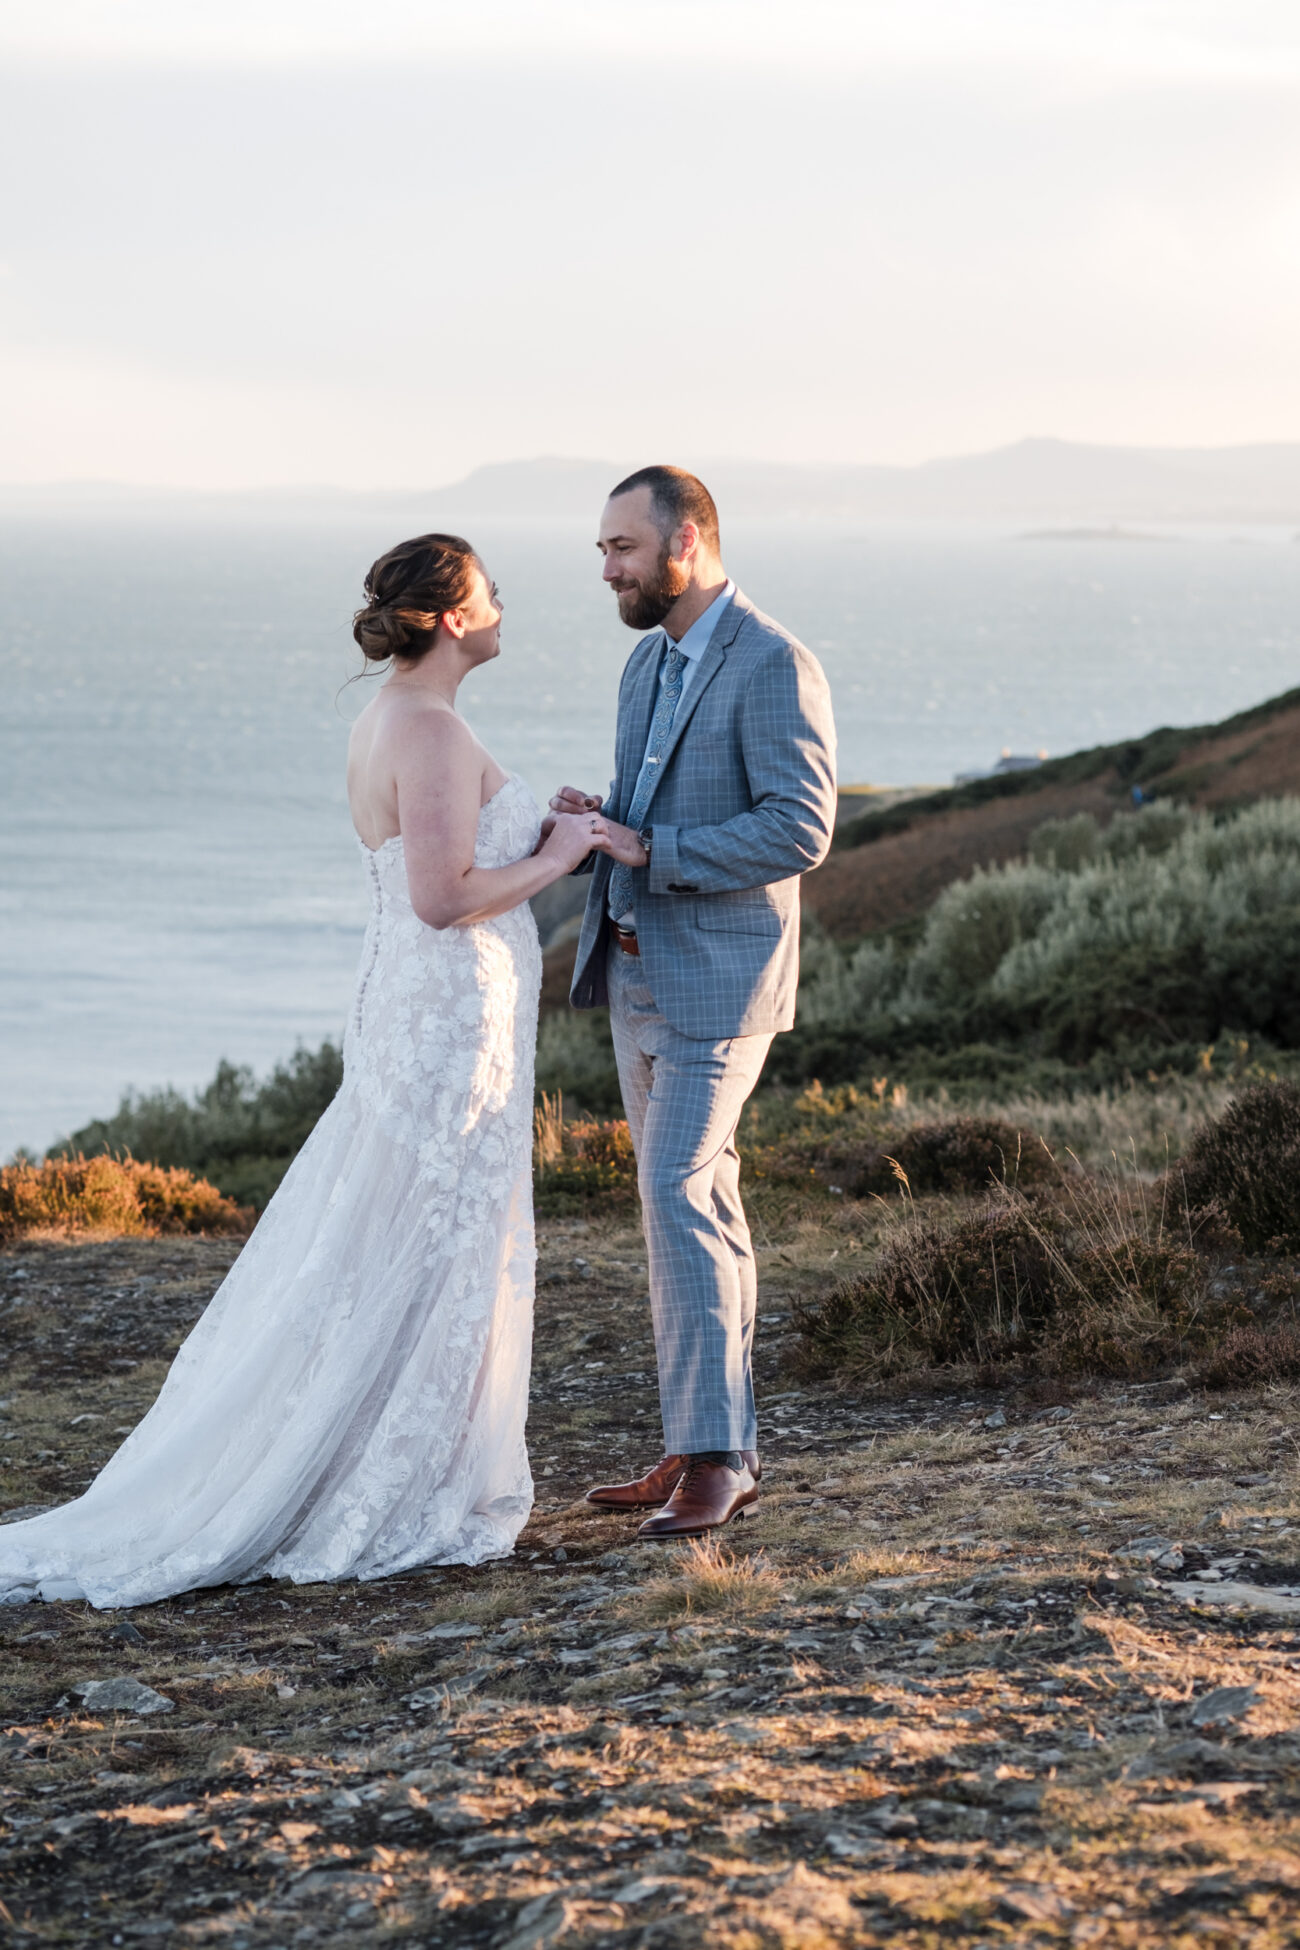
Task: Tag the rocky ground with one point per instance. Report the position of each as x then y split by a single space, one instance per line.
984 1669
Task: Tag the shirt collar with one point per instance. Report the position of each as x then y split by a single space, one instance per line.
697 639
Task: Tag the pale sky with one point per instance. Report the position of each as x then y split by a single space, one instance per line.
268 242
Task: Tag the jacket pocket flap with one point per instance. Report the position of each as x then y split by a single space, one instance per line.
742 918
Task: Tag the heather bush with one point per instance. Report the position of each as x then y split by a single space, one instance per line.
975 1289
1252 1355
1245 1167
967 1154
116 1196
952 1154
1090 1281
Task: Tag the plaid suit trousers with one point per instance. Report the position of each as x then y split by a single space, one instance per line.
683 1096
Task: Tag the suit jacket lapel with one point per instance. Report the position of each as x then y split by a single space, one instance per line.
709 666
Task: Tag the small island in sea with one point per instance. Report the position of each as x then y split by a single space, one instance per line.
1111 534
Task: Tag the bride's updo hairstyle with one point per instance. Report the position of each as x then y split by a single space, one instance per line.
409 590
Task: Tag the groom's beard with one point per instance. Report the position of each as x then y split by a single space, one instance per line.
642 605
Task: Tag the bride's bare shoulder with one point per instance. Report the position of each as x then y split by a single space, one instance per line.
405 722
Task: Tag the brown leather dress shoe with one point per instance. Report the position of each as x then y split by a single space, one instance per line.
656 1486
707 1495
646 1492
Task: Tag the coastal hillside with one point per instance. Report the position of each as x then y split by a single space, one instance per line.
889 866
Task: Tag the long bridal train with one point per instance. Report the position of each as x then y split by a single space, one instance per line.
352 1402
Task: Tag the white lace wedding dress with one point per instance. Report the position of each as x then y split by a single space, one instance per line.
352 1402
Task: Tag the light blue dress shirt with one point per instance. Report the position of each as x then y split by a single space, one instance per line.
692 647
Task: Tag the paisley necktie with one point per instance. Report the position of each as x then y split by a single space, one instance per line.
670 690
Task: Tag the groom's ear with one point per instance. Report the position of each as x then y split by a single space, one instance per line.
685 542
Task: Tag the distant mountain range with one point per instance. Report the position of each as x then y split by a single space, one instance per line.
1033 481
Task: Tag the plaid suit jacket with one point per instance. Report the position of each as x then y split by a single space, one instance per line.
743 805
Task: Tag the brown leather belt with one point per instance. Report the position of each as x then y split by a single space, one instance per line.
626 939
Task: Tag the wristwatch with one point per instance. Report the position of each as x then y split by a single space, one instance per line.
646 837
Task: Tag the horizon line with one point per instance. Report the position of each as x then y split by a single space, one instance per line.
100 483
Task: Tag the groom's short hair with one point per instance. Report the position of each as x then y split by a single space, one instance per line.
675 497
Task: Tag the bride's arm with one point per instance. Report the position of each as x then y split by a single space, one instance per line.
438 771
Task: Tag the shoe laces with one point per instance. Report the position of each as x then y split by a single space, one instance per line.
695 1464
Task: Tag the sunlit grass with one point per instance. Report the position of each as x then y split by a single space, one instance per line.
707 1579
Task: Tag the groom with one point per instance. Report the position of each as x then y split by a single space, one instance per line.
723 794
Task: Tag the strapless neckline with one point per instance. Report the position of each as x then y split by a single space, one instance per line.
395 839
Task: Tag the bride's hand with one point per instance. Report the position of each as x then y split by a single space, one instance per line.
548 827
570 839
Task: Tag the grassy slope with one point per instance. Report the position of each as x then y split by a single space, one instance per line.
890 865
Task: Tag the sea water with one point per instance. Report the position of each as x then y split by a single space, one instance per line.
178 877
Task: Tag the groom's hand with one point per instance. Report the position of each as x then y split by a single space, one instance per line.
620 842
569 800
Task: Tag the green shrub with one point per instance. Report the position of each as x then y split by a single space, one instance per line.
237 1133
1065 844
1152 829
1245 1165
575 1055
1165 931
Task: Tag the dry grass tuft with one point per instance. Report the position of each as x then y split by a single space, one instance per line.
111 1197
710 1580
850 1575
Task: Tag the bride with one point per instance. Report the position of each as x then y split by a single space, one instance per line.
352 1402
